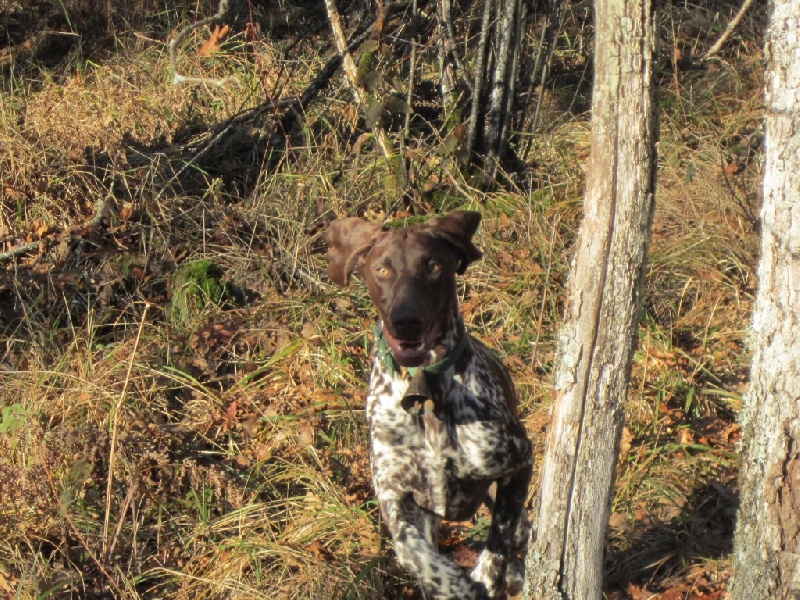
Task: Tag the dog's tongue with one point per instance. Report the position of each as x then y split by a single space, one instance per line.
408 353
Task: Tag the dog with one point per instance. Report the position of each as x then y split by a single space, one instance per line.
441 407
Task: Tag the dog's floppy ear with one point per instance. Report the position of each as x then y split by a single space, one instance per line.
457 228
348 241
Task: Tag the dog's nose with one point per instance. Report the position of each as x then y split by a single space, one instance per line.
407 322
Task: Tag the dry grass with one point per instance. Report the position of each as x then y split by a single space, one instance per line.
235 444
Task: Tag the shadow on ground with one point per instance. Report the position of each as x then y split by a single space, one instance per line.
661 552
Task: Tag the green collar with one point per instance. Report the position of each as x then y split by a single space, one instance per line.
386 358
420 399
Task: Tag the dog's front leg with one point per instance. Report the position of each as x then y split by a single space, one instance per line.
509 505
439 578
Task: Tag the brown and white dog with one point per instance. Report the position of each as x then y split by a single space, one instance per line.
441 407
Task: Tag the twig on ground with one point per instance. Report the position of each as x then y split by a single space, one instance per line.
20 250
178 78
101 208
728 30
114 433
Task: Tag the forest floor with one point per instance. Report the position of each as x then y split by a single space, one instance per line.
156 443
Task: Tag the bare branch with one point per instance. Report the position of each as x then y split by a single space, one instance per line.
20 250
101 208
352 76
412 71
178 78
728 30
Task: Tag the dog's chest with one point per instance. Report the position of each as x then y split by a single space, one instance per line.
442 458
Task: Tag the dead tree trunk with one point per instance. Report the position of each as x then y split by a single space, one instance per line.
766 552
596 341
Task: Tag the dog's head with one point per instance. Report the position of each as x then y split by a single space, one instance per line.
410 274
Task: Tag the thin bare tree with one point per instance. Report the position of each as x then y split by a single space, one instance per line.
766 553
597 339
494 79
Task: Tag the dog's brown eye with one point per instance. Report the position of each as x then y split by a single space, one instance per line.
434 266
382 271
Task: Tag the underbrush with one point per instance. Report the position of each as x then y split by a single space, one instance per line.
224 455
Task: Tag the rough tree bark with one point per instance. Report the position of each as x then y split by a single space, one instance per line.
596 341
766 553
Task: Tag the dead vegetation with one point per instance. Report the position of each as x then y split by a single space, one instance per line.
224 456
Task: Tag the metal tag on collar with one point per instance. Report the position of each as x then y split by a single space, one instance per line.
418 399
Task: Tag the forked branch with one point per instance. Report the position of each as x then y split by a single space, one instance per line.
178 78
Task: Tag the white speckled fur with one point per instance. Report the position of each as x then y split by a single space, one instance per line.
428 468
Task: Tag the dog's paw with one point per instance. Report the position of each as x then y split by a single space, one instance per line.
515 578
489 572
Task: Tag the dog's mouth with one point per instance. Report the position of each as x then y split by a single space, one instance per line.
407 352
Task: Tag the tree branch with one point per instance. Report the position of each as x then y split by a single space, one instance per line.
101 207
352 76
728 30
178 78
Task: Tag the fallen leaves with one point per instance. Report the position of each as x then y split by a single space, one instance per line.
211 45
679 591
305 432
732 169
